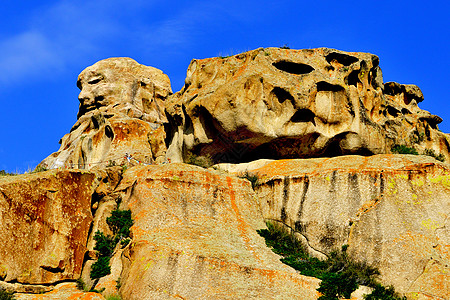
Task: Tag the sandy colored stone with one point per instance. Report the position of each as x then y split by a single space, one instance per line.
281 103
194 237
44 224
392 211
67 291
121 112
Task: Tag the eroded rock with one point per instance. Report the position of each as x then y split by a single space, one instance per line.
121 112
45 219
194 237
392 211
279 103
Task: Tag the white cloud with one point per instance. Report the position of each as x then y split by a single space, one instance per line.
27 53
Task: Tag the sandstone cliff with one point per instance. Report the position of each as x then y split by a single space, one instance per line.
318 117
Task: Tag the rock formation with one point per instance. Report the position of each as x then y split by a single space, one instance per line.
121 112
392 211
278 103
316 117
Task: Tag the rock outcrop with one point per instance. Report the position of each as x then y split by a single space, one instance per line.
392 210
195 230
45 220
279 103
121 112
194 237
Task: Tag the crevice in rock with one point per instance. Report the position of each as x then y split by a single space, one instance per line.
323 86
305 238
281 94
303 115
353 78
341 58
292 67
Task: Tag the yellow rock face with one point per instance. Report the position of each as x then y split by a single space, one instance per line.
121 112
194 237
392 210
279 103
45 219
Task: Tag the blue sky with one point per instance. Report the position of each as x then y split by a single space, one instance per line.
44 45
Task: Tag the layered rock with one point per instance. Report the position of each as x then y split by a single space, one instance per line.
121 112
392 210
281 103
194 237
45 220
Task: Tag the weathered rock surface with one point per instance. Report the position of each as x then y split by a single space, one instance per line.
44 224
392 210
66 290
194 237
279 103
121 112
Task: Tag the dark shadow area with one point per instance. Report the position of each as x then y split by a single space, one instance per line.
293 68
303 115
282 95
343 59
323 86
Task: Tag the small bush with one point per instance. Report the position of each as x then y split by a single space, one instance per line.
104 244
39 168
430 152
382 293
4 173
6 295
402 149
100 268
253 178
113 297
340 274
285 46
204 161
120 223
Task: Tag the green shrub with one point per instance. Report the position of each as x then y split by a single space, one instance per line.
6 295
430 152
4 173
101 267
204 161
113 297
340 274
336 285
402 149
104 244
119 222
382 293
252 177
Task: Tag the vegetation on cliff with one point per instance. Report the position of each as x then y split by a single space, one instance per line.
119 222
340 274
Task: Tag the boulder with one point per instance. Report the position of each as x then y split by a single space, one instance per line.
194 237
121 113
392 210
44 224
279 103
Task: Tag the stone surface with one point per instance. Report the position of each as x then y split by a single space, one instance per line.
121 112
194 237
392 210
279 103
44 224
67 290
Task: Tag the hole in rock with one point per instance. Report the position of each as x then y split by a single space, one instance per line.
392 111
341 58
323 86
109 132
303 115
292 67
281 94
353 78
